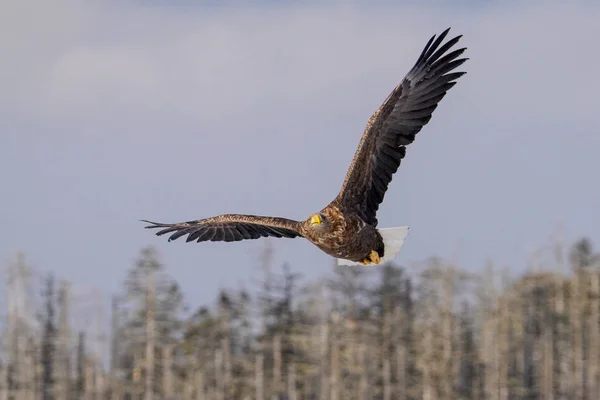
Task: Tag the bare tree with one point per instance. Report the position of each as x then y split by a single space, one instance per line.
150 331
425 333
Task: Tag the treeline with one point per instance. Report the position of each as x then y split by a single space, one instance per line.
433 332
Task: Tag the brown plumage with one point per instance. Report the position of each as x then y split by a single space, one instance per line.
347 227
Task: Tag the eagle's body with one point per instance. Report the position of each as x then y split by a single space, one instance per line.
347 228
343 235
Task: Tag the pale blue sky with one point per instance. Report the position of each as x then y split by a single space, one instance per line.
112 113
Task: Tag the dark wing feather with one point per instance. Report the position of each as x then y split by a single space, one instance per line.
229 228
394 125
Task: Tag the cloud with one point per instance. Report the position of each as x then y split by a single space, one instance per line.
93 60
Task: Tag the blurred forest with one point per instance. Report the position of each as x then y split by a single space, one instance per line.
433 331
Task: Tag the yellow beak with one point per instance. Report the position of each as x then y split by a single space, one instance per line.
315 220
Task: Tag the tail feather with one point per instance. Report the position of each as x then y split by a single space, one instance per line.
393 240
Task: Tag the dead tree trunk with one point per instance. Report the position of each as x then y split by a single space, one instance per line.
401 371
219 381
63 360
115 376
576 332
548 354
427 357
335 362
200 391
448 289
504 349
291 386
593 342
16 335
4 381
167 372
362 361
226 346
150 331
324 372
385 354
259 375
276 387
90 385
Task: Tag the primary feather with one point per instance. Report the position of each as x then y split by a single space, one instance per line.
394 125
229 228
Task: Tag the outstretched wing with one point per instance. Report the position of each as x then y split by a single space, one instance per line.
394 125
229 228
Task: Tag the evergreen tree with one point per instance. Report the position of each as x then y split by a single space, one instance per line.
80 384
582 255
48 345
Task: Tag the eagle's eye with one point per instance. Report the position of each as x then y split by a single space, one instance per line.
316 220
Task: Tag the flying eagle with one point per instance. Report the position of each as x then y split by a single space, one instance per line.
347 228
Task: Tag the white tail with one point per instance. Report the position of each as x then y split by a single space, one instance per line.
393 240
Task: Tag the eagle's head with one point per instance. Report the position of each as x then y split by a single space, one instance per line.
318 221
